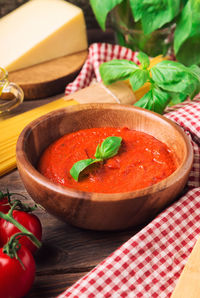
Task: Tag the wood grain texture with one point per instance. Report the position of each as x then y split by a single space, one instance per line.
67 252
94 210
188 285
48 78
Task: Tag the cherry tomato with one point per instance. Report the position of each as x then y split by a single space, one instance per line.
4 207
29 221
16 281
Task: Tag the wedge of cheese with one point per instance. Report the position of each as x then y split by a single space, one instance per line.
41 30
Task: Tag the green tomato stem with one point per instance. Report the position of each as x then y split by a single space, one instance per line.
9 217
16 202
12 246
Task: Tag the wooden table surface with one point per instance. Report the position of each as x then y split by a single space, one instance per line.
67 252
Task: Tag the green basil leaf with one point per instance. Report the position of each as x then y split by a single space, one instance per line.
188 26
183 86
154 13
98 152
116 70
175 77
170 74
183 2
176 98
168 71
80 165
138 78
137 9
108 148
144 59
144 102
101 8
161 100
195 70
189 52
155 100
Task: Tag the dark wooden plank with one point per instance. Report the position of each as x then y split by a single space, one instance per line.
67 252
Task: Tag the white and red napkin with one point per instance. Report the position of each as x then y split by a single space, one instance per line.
149 264
98 53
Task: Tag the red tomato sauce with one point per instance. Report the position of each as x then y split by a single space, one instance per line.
142 160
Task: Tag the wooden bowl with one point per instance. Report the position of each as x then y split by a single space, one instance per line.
95 210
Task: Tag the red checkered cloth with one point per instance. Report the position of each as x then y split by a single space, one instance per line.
149 264
98 53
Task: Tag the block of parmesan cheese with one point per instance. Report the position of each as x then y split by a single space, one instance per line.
41 30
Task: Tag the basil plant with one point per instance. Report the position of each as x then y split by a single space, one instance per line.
181 17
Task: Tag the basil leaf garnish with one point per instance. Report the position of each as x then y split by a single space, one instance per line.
108 149
80 165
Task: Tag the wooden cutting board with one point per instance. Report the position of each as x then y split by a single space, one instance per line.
49 78
188 285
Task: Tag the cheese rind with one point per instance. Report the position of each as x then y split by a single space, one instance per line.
41 30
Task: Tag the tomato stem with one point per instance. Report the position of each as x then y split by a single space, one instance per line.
3 195
9 217
12 246
21 206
